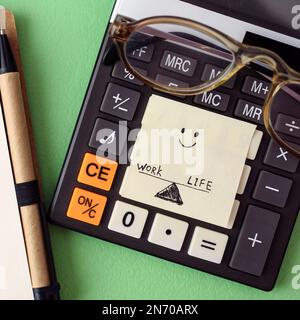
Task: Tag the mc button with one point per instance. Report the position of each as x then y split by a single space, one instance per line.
97 172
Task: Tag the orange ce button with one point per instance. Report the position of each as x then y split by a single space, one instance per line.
97 172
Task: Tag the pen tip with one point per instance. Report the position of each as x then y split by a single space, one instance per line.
2 19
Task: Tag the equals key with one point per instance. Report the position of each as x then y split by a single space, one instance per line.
208 245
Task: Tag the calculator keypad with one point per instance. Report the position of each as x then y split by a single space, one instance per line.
89 197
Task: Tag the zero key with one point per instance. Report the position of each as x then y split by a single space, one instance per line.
254 241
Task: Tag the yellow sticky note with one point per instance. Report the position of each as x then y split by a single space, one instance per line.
188 160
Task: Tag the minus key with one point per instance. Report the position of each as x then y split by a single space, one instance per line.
272 189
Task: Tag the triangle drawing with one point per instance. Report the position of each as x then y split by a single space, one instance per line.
170 193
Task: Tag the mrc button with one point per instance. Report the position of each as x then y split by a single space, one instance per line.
178 63
97 172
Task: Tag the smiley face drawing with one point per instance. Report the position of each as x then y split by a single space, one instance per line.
187 136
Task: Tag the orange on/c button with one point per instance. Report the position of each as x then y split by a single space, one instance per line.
86 206
97 172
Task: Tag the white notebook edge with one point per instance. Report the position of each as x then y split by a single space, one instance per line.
15 281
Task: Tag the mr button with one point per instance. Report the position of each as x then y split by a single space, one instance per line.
97 172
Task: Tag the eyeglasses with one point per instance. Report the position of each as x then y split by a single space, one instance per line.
281 109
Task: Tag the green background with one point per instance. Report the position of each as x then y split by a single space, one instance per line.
59 42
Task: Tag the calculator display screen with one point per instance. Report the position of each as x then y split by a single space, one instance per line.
277 15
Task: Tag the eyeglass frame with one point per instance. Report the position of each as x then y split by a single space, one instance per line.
242 55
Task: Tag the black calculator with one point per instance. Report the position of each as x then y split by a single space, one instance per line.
238 231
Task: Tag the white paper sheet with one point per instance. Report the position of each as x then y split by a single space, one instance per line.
218 144
14 272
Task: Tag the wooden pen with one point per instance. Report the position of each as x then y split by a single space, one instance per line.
23 168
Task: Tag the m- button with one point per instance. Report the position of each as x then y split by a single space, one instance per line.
212 72
97 172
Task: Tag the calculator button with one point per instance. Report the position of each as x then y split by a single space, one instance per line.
121 72
128 219
234 211
210 72
256 87
120 102
208 245
108 137
254 241
213 99
244 180
272 189
97 172
168 232
171 82
255 144
86 206
288 125
278 157
178 63
249 111
143 53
